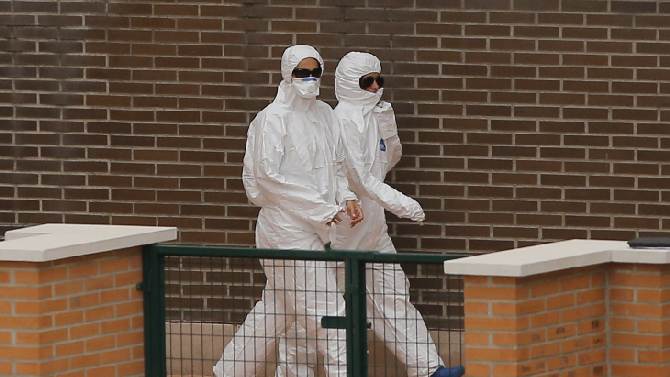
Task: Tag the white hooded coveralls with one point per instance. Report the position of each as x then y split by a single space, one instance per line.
293 170
373 147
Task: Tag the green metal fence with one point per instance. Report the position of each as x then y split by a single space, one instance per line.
194 293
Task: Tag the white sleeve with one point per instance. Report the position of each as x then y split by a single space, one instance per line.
388 197
344 193
277 189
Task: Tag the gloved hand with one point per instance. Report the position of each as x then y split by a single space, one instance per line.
415 212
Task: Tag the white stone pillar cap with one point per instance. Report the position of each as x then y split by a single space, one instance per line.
538 259
47 242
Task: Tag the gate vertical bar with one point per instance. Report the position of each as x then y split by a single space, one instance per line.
153 286
357 336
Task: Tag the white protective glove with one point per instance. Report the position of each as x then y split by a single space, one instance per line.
415 212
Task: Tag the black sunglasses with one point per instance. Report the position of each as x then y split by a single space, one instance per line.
366 81
302 73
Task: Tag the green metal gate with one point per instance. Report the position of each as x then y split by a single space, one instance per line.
160 261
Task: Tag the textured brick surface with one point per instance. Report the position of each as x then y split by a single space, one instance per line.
79 316
610 320
521 120
547 325
640 320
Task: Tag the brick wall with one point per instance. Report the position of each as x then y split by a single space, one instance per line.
546 325
607 320
521 120
75 317
640 320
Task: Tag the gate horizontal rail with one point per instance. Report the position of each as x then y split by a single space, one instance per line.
331 255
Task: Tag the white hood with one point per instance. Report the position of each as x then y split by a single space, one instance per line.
286 94
349 70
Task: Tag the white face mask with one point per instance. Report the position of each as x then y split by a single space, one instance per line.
307 87
369 99
379 93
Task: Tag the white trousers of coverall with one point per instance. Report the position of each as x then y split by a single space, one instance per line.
295 292
394 318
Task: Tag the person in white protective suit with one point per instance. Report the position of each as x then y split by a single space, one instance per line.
373 147
293 169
